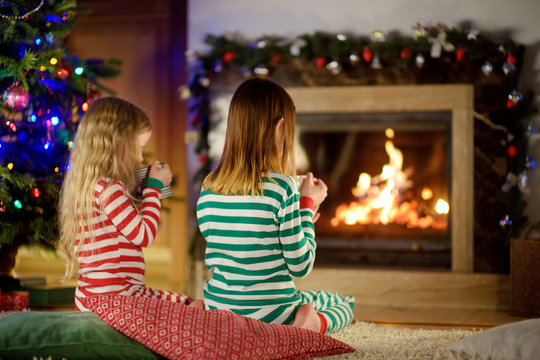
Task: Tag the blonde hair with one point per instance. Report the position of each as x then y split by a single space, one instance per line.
252 147
106 145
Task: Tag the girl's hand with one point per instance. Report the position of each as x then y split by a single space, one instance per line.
161 171
314 188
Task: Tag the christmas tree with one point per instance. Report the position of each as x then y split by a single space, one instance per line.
45 90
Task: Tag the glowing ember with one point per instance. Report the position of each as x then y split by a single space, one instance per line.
380 198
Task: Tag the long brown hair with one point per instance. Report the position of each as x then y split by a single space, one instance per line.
252 147
105 146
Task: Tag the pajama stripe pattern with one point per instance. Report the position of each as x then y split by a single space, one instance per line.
255 246
113 263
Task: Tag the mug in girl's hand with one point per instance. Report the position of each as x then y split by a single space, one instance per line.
300 180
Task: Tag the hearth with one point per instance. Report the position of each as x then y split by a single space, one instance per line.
388 178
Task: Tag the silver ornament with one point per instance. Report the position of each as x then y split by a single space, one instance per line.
419 60
487 68
333 67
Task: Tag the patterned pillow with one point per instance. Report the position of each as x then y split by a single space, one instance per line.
178 331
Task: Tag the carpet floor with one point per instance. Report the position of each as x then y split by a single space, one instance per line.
373 342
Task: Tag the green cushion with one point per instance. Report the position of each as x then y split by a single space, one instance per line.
65 335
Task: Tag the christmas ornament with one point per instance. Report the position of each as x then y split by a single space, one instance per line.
523 182
378 36
354 58
184 92
275 60
531 129
487 68
296 47
341 37
260 44
419 60
204 81
512 150
16 97
261 70
505 222
62 74
320 62
419 31
530 163
405 53
438 44
376 63
217 66
460 54
50 38
511 59
472 34
228 56
515 96
367 55
333 67
508 67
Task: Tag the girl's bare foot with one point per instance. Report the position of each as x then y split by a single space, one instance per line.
199 304
306 318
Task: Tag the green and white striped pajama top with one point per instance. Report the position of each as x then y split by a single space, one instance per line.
255 245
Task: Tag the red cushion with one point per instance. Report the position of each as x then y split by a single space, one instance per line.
178 331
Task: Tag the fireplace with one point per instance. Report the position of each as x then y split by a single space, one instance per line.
388 187
406 146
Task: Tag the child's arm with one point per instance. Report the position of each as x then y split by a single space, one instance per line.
139 228
297 236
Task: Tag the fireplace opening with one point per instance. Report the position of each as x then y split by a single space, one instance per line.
388 177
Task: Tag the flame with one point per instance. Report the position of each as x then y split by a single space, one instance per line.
380 198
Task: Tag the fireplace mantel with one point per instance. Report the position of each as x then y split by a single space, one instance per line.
456 99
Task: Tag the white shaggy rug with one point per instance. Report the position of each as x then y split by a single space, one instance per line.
373 342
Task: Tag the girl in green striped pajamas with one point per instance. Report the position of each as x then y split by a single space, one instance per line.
258 225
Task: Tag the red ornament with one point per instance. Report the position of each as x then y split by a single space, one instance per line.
196 120
275 59
460 53
62 73
405 53
228 56
510 104
320 62
16 97
511 58
367 55
36 192
512 150
202 159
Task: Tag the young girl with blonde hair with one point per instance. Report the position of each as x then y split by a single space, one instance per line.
258 226
103 226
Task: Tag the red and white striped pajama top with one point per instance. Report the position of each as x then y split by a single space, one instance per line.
114 262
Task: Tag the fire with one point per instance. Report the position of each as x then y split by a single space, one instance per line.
381 201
